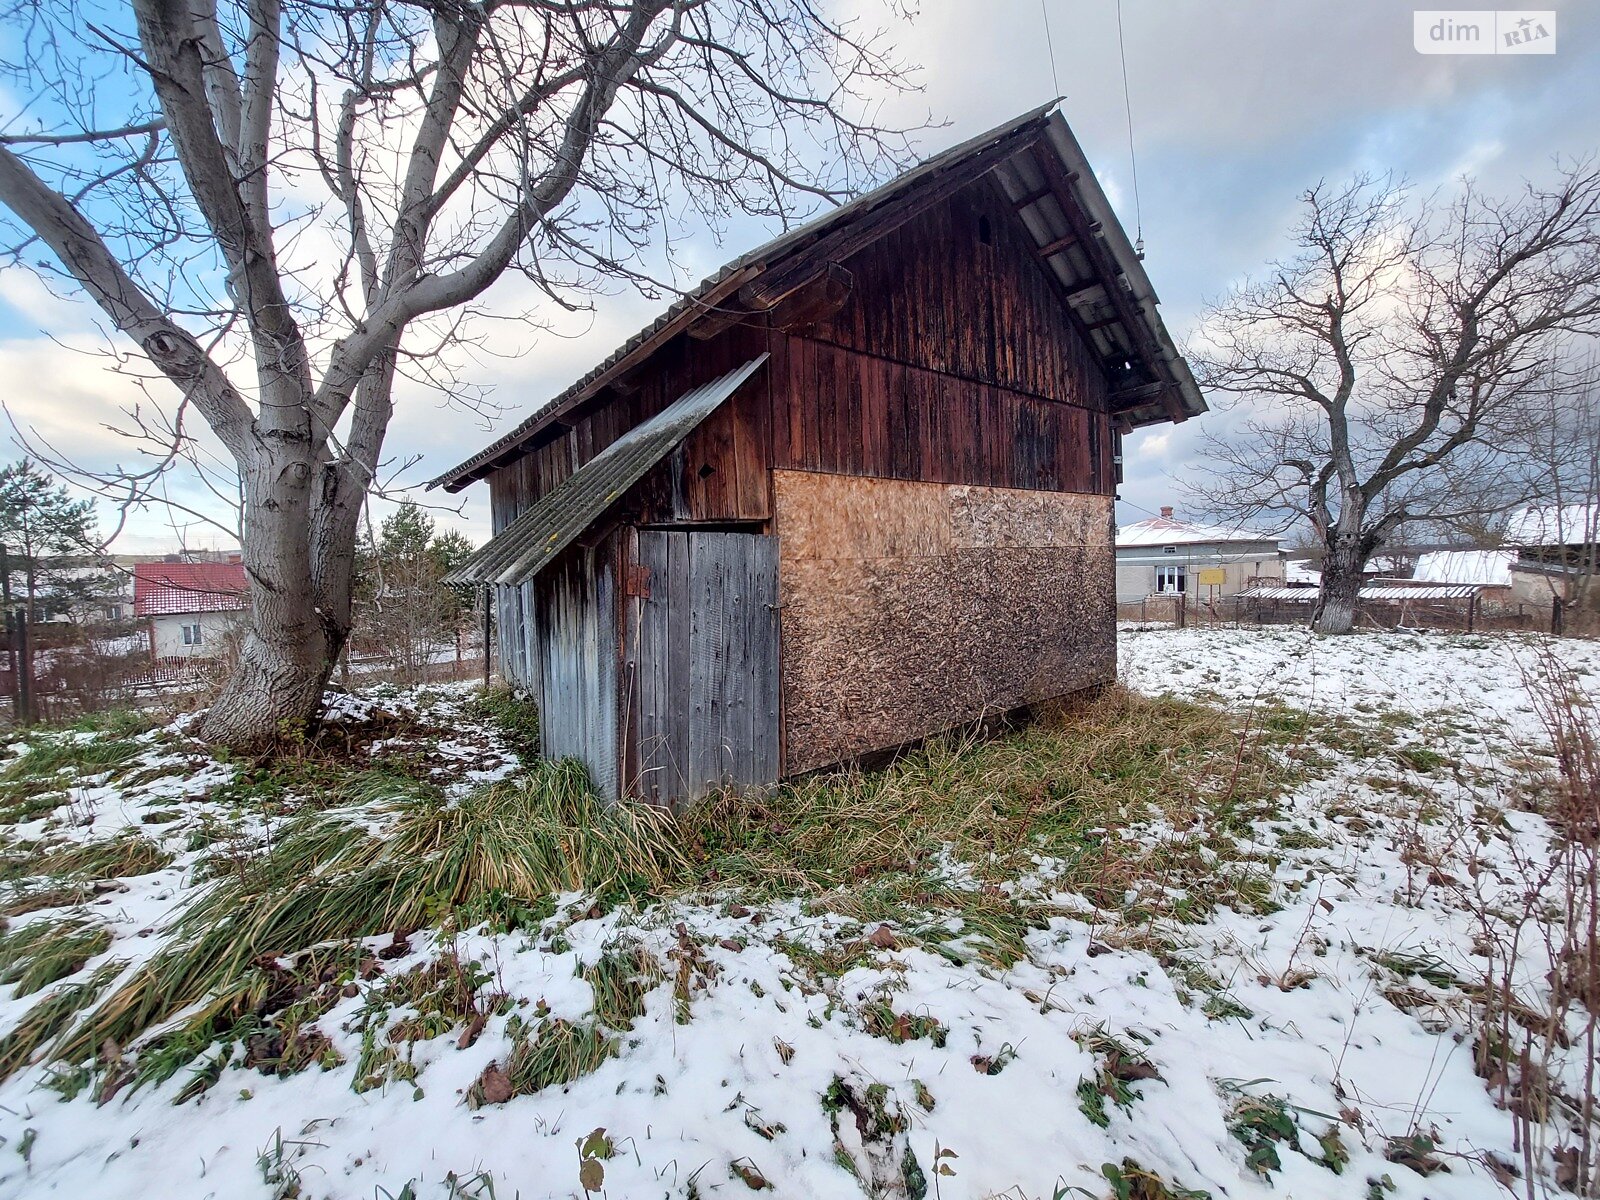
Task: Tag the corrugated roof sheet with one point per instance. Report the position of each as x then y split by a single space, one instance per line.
1375 595
163 588
518 552
1043 218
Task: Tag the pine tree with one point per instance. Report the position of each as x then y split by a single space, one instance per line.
40 523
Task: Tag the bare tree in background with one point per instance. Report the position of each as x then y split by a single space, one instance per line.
1558 533
1379 370
295 202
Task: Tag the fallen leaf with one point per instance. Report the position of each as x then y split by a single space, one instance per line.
753 1179
495 1085
883 938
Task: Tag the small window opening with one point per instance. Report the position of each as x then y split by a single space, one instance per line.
707 471
985 234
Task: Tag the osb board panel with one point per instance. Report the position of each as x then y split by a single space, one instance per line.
910 608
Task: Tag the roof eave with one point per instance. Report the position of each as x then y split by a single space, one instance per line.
1177 398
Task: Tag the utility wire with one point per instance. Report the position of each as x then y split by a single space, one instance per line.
1055 79
1127 107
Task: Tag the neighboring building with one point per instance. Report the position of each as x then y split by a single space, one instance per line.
853 490
1484 568
1557 552
191 607
1164 556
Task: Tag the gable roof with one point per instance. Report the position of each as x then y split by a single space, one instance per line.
1555 525
166 588
1042 171
1168 531
519 551
1487 568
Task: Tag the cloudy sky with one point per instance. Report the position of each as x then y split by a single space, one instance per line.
1237 106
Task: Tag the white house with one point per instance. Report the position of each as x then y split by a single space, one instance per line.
1165 556
191 607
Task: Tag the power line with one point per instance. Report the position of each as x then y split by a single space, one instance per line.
1127 107
1055 79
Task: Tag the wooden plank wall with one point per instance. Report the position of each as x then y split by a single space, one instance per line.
932 294
704 660
717 474
573 654
853 414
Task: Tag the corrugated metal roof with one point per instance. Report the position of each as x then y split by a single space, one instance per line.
518 552
1019 174
1375 595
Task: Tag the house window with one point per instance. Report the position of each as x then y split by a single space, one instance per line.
113 612
191 634
1169 549
1171 578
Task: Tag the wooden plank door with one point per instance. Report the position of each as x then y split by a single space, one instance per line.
705 663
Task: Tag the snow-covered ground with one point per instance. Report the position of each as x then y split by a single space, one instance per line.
746 1072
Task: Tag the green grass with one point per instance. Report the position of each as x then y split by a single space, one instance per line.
396 855
620 979
516 719
558 1053
50 1016
1053 788
41 952
327 878
36 780
126 854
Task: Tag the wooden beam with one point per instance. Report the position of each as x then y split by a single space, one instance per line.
814 302
718 321
1138 394
1105 266
1032 198
1057 246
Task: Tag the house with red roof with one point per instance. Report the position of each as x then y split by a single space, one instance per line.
190 607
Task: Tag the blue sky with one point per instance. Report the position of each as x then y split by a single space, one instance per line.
1237 106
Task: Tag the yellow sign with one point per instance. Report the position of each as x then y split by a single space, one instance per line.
1212 576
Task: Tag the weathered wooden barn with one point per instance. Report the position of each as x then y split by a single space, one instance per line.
856 488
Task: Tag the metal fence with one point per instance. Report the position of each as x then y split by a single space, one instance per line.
1461 614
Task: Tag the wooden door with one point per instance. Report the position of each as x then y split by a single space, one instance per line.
705 663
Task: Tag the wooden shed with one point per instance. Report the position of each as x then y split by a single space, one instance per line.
854 489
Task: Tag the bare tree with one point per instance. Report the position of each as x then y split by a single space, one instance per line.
1558 533
299 201
1377 371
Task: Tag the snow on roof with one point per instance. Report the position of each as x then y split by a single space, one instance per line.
1301 574
160 588
1487 568
1169 531
1555 525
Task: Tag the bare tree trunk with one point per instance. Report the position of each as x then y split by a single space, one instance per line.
1342 568
293 532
